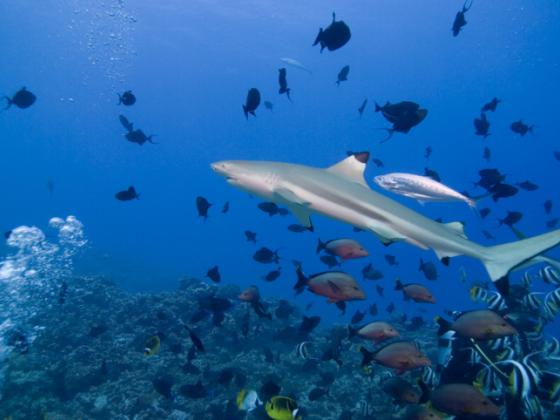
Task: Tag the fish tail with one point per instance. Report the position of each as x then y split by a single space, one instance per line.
425 397
500 260
8 102
367 356
318 38
398 285
320 246
352 332
421 264
377 107
390 132
302 280
444 325
245 112
149 138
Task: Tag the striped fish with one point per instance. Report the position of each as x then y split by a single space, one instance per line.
550 275
533 301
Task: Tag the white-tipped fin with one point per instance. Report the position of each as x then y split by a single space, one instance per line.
352 168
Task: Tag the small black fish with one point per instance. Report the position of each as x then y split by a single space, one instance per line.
527 186
252 102
391 308
379 290
283 83
334 36
214 274
299 228
308 324
481 125
266 256
22 99
343 75
329 260
127 195
428 152
370 273
269 389
357 317
225 209
521 128
487 235
391 259
373 310
489 178
460 20
127 98
139 137
551 224
225 376
126 124
269 208
486 154
484 212
429 270
502 191
197 342
432 174
403 115
317 393
250 236
196 391
362 107
548 206
202 206
272 275
214 304
491 106
378 162
268 105
163 385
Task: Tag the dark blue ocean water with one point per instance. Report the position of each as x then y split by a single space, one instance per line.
190 66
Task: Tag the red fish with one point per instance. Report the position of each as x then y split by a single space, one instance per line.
401 356
345 249
376 331
416 292
337 286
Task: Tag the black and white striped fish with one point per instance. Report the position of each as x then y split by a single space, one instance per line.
550 275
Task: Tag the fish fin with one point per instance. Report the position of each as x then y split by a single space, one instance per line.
245 112
500 260
458 228
421 202
444 326
352 168
444 255
367 356
320 246
302 280
318 39
298 207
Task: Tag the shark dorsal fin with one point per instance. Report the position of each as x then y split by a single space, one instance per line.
352 167
457 227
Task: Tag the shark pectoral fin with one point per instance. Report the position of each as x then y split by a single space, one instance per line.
352 168
302 214
298 207
457 227
385 234
287 196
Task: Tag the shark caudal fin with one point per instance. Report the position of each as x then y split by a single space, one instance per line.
500 260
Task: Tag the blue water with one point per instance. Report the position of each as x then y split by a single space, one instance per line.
191 65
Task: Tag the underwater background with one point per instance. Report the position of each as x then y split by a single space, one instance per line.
190 65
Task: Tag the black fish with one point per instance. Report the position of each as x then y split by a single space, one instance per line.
484 212
512 218
308 324
127 195
548 206
225 376
491 106
214 304
487 235
329 260
272 275
317 393
250 236
127 98
357 317
481 125
429 270
502 191
379 290
163 385
343 75
214 274
486 154
197 342
268 207
195 391
391 259
125 123
283 83
489 178
225 209
378 162
521 128
268 105
362 107
202 206
460 20
299 228
370 273
266 256
403 115
428 152
551 224
528 186
391 308
373 310
269 389
335 36
139 137
22 99
432 174
252 103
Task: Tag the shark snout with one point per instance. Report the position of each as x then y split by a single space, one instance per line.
220 167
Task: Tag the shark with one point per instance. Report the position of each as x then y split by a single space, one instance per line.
341 192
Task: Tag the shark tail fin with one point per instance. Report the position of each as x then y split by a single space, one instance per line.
500 260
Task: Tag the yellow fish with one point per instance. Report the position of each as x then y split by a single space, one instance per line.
152 346
282 408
